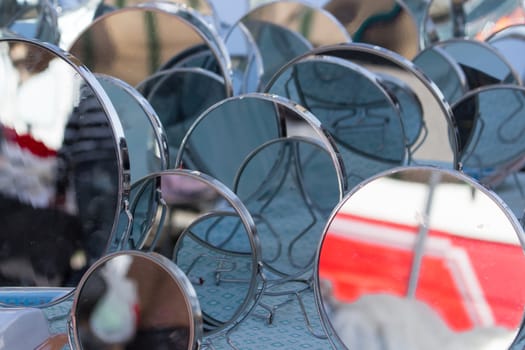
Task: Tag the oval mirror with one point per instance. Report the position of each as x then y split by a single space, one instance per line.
386 23
365 123
440 269
145 135
63 164
283 30
135 300
206 230
431 127
133 43
482 64
490 122
510 43
443 70
179 96
470 18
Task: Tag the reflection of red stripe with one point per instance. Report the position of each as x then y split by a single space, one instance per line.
27 142
357 267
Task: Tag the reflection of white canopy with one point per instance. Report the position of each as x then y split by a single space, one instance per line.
456 208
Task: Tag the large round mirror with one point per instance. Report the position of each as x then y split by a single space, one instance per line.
132 300
63 166
440 269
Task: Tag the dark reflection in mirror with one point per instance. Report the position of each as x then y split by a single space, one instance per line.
446 261
30 19
61 167
444 70
285 29
132 301
491 123
133 43
386 23
355 109
510 43
179 96
427 118
482 64
205 229
145 135
470 18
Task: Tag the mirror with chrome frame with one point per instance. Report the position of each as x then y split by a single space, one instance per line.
145 135
206 230
135 42
510 43
282 30
63 169
491 121
363 119
474 19
437 141
133 300
180 96
440 269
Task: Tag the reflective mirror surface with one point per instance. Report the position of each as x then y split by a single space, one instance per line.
386 23
179 96
285 29
440 269
363 120
510 43
145 136
133 300
133 43
432 126
201 225
62 167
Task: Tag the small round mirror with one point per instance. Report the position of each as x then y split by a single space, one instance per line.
133 300
440 269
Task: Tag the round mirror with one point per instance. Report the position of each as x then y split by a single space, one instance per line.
482 64
475 19
132 300
386 23
365 123
145 135
429 125
510 43
283 30
443 70
200 224
63 166
29 19
179 96
441 269
133 43
490 122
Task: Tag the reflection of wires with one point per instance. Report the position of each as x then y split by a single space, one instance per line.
372 20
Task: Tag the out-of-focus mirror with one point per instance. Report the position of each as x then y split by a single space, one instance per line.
133 300
63 167
145 135
386 23
429 125
133 43
179 96
491 121
440 269
29 19
200 224
473 19
360 115
482 64
510 43
443 70
283 30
